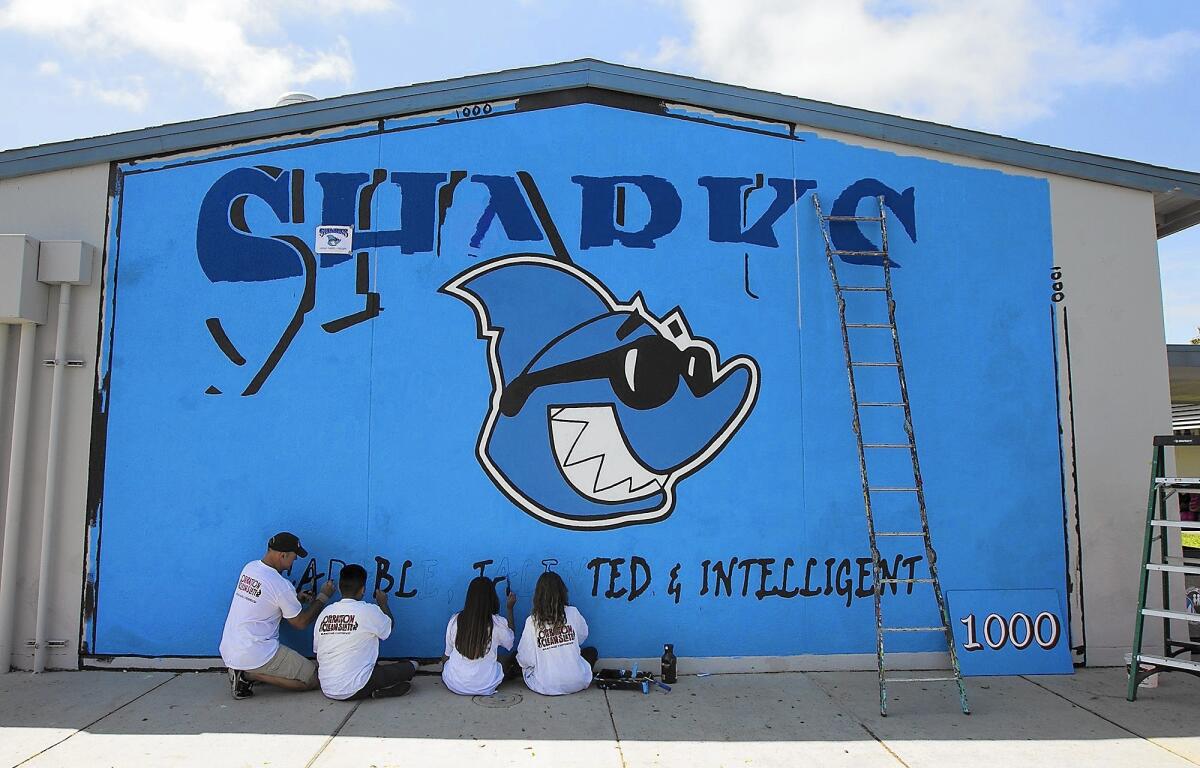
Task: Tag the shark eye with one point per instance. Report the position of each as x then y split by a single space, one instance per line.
650 368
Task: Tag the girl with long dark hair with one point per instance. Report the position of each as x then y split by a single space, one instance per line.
471 665
549 653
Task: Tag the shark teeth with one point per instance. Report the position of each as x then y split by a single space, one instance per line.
594 457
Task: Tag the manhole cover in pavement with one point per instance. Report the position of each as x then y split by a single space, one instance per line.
497 700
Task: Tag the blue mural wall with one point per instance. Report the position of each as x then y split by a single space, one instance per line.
584 337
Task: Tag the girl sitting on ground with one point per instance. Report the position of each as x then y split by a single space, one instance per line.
549 653
472 665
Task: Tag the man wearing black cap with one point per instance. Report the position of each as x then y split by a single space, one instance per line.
250 643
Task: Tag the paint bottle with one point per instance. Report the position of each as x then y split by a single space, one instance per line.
668 663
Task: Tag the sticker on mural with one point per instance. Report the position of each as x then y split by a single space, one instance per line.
334 239
599 408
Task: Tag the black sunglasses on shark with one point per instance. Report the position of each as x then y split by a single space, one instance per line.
644 374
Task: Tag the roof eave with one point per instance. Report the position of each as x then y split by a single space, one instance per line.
1177 219
1181 187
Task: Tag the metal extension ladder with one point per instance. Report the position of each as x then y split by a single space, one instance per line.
869 490
1161 489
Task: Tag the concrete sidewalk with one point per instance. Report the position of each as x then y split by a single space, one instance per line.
783 719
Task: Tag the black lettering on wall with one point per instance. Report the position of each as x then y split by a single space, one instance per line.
673 587
310 577
401 592
829 574
911 562
723 576
382 576
807 590
783 586
614 573
594 565
864 573
886 572
746 566
764 573
635 589
844 584
341 565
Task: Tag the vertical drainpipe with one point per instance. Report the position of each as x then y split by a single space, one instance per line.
16 490
3 364
53 472
4 334
63 263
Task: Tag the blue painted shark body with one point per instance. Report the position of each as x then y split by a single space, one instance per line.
598 408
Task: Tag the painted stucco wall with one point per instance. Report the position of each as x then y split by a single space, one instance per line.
444 430
1102 237
65 205
1105 242
1115 378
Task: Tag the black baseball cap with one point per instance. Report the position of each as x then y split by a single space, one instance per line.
286 542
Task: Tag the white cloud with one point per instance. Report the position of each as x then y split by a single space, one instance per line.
131 93
214 39
994 62
333 7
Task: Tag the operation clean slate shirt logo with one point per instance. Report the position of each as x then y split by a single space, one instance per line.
334 239
554 636
250 586
338 623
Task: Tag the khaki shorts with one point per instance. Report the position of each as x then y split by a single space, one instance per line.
289 665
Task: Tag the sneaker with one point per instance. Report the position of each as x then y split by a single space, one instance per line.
399 689
239 685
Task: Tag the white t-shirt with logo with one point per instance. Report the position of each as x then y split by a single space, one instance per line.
262 597
549 655
475 677
346 641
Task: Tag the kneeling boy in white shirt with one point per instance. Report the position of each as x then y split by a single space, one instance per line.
346 641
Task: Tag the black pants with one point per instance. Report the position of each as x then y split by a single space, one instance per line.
508 663
385 676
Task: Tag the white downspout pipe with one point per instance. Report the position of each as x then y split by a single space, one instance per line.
4 334
53 470
3 364
16 490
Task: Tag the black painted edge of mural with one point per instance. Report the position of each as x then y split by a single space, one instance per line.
529 103
98 448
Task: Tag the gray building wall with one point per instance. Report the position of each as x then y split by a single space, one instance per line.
1104 239
64 205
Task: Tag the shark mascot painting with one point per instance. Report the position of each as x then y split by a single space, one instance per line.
599 408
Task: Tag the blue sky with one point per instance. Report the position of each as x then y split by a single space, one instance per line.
1115 78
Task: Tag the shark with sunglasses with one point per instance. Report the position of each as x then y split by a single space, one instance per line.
599 408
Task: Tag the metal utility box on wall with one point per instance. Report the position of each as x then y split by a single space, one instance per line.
22 297
65 261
